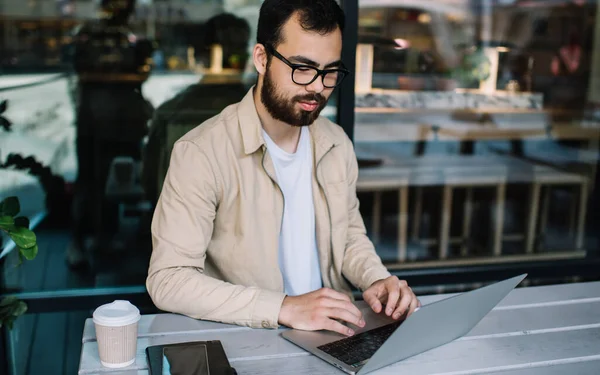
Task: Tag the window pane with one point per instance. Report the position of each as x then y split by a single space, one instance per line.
477 125
67 79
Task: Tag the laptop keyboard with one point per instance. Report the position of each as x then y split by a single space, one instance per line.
357 349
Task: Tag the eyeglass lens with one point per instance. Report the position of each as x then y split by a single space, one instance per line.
306 75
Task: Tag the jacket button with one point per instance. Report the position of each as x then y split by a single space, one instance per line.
265 324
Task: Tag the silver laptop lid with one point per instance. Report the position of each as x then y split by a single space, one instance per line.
440 322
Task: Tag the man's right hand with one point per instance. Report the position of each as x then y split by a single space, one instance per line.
320 310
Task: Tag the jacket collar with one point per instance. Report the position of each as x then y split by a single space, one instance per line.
321 131
249 123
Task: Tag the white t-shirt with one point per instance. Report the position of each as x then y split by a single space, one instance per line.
298 255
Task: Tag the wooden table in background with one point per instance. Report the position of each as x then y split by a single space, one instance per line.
485 132
451 172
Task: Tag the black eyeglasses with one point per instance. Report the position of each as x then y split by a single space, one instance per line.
303 74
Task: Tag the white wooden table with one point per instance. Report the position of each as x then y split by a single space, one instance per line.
537 330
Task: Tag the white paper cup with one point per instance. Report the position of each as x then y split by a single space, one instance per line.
116 331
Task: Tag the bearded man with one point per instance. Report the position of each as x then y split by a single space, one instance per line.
258 221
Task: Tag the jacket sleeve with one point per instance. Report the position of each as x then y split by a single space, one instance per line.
182 227
361 265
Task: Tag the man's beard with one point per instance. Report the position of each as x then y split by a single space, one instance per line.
284 109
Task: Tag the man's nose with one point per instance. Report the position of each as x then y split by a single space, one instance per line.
316 86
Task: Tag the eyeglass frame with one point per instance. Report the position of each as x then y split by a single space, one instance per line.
319 72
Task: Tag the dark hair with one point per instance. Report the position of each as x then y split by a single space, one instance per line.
231 32
227 29
322 16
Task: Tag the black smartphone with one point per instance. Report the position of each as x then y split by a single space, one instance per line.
190 358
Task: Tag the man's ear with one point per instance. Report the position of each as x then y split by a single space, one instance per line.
259 57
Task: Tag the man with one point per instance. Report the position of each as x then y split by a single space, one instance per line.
198 102
258 221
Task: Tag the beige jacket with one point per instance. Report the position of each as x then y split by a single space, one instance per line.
216 226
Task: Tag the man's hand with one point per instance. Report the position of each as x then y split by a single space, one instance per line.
320 310
397 296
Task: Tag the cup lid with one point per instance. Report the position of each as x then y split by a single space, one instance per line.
116 314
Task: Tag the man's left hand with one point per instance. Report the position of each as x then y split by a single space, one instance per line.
395 294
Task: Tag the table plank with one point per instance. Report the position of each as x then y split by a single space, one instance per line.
478 356
588 367
576 132
478 132
546 317
552 293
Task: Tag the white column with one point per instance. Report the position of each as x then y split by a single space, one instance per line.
488 86
594 84
364 68
216 59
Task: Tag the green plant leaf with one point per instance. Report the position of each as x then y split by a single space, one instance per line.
7 301
15 309
22 221
20 309
23 237
7 223
5 124
10 207
29 253
3 105
10 309
12 306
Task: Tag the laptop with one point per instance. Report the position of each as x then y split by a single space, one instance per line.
384 341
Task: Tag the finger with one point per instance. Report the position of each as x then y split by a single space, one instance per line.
407 297
393 290
419 303
345 315
327 292
345 305
413 306
332 325
372 300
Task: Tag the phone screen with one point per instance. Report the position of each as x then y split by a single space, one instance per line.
185 360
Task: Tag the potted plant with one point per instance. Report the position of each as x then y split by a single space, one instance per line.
474 68
17 228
